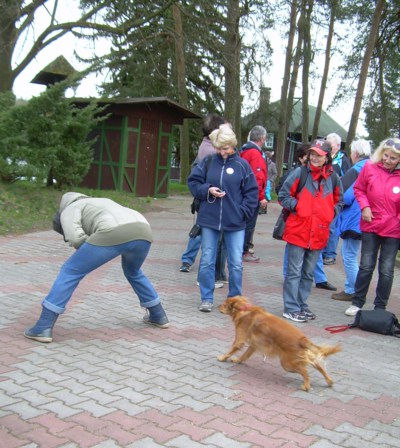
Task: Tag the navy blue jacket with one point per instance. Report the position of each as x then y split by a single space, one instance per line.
232 175
348 222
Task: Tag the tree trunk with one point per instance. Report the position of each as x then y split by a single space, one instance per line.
364 70
324 79
182 93
283 116
232 67
382 93
8 36
306 24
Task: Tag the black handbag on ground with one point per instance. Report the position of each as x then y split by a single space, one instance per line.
377 321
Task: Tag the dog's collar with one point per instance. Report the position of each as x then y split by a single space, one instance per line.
246 307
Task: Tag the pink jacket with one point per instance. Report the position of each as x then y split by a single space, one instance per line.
379 189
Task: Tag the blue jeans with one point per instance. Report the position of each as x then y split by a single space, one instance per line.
209 245
220 263
331 246
250 227
350 250
371 245
319 273
299 277
88 258
191 251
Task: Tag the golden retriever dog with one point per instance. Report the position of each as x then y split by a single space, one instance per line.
272 336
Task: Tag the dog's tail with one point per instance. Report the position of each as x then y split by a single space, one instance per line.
326 350
317 353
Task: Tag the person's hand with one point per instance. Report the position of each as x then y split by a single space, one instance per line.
216 192
264 203
366 214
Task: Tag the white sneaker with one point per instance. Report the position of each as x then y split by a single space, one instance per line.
352 310
217 285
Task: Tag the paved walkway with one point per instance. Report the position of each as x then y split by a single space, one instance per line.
109 381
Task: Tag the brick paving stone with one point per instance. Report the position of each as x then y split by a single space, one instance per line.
9 440
82 437
16 425
129 407
109 380
52 423
222 441
107 444
146 442
186 442
337 437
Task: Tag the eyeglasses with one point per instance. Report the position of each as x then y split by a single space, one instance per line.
391 142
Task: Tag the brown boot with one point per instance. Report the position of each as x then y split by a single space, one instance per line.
342 296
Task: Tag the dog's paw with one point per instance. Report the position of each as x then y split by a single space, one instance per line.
222 358
236 360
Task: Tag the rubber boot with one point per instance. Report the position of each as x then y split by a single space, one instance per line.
156 316
42 330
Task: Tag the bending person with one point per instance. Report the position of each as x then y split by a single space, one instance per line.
100 230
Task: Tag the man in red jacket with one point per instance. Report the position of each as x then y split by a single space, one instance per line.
252 152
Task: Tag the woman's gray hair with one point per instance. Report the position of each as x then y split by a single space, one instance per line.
361 147
223 136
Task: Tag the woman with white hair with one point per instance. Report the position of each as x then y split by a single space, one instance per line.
377 191
228 191
348 221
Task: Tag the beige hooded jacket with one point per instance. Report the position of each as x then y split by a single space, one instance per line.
100 221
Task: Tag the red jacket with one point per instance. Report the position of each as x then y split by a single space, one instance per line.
379 189
313 208
254 155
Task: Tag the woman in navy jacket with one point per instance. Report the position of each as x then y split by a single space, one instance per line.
228 192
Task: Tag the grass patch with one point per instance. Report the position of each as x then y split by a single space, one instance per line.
177 188
27 207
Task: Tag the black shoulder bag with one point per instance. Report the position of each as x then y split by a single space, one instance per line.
280 224
377 321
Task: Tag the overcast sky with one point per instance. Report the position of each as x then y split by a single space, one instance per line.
23 88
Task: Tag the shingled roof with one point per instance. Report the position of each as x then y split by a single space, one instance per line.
56 71
268 117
